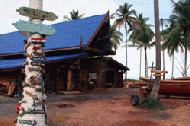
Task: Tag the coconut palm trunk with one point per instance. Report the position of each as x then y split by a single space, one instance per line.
163 51
146 62
126 34
140 64
32 109
156 86
164 68
172 76
185 62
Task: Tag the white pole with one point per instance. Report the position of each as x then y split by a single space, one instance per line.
32 107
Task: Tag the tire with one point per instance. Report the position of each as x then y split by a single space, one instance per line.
167 96
134 100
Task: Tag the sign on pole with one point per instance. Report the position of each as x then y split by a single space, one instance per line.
28 26
37 14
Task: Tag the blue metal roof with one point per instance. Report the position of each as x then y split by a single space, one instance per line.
14 63
68 34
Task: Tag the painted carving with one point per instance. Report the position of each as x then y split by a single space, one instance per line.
36 14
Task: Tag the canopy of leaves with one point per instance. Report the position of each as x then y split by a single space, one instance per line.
74 15
116 36
178 33
125 15
143 35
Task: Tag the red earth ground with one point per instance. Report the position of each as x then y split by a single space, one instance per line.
110 107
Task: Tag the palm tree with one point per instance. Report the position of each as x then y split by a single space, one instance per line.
182 18
163 51
74 15
142 38
116 36
156 86
172 41
125 17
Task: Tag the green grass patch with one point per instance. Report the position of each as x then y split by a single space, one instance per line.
151 103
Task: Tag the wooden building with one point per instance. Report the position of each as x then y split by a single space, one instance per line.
76 57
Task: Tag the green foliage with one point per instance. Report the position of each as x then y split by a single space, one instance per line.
74 15
178 33
116 36
125 16
151 103
143 35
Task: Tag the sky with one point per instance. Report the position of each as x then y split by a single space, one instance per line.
8 15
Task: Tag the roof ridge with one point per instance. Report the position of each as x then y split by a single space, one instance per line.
78 19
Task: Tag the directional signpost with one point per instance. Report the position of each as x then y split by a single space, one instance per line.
37 14
28 26
33 112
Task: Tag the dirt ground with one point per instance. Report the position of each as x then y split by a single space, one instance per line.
110 107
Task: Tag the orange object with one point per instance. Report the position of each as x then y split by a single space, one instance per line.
158 71
158 74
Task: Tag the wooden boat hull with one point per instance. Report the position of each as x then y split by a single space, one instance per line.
177 87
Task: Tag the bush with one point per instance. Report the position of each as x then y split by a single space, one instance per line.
151 103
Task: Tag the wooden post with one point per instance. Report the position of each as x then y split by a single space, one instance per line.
69 80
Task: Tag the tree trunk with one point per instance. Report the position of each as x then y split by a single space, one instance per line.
164 75
156 86
32 108
172 66
126 32
185 62
140 62
146 62
163 51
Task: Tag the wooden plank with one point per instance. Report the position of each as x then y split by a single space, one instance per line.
37 14
158 71
157 75
28 26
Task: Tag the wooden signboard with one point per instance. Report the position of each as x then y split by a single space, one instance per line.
27 122
37 103
37 63
158 71
37 14
28 26
38 43
39 54
35 58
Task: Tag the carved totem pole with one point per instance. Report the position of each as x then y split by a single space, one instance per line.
32 108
